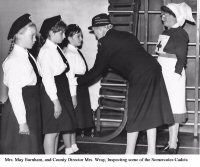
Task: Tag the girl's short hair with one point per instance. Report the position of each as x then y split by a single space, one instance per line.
72 29
59 26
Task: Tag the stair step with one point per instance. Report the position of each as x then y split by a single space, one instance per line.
112 89
113 96
120 1
112 108
112 84
109 120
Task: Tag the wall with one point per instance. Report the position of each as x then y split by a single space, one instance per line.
72 11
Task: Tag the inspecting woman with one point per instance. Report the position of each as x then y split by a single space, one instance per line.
148 102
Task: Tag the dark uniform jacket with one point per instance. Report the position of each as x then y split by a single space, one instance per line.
122 52
178 45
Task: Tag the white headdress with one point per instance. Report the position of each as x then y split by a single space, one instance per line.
182 11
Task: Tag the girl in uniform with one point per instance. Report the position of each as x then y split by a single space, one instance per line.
57 108
78 66
172 50
20 124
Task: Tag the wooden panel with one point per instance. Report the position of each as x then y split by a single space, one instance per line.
141 28
192 49
191 30
120 1
123 28
155 5
121 7
190 72
123 18
191 118
190 106
155 27
192 3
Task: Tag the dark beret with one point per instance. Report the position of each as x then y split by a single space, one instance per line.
48 24
18 24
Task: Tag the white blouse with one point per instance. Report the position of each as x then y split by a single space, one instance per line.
18 73
51 64
77 66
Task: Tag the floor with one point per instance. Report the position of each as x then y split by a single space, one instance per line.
188 144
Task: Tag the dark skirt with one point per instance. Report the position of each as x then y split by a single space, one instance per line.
66 122
148 102
11 141
83 110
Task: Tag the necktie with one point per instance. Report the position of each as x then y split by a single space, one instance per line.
63 58
34 67
83 59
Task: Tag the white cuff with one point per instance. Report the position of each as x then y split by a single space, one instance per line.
74 81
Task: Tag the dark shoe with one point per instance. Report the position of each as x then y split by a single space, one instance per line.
165 148
174 150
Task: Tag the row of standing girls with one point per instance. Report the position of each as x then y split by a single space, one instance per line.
39 109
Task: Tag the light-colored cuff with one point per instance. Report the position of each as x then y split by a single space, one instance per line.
53 97
74 81
73 90
21 119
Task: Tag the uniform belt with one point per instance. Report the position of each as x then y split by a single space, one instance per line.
78 75
168 55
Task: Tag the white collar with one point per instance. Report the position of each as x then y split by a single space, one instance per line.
72 47
176 25
50 43
21 50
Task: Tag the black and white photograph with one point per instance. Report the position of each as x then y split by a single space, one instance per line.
99 83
